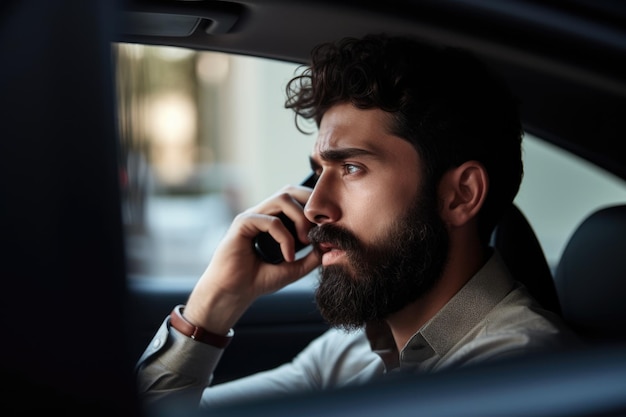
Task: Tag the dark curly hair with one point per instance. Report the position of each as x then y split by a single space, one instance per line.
441 99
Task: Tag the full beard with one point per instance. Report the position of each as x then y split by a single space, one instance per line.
382 278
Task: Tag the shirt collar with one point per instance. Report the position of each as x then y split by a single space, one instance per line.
443 331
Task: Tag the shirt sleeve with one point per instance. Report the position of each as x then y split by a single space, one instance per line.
174 367
176 371
332 360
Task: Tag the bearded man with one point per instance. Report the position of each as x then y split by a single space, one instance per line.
417 156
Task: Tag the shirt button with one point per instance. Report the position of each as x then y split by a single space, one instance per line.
156 343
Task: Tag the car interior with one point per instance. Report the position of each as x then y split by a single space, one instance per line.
515 238
589 276
76 319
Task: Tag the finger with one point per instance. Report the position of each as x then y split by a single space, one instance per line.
302 225
301 267
291 202
288 211
279 230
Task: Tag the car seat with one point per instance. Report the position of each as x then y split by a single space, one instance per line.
591 276
518 245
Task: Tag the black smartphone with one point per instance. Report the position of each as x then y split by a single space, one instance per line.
265 245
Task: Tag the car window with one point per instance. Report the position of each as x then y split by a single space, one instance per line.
559 190
205 135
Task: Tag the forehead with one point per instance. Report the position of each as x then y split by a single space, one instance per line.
347 127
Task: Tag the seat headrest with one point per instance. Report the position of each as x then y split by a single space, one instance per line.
591 276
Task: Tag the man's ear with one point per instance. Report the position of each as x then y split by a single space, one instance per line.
462 192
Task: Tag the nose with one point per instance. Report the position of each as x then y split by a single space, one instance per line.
322 206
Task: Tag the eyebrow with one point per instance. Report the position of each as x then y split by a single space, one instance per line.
336 155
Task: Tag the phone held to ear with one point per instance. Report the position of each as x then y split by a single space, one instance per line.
265 245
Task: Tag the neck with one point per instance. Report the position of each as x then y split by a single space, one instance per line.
460 268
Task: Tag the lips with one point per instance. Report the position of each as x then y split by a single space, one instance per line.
330 253
333 243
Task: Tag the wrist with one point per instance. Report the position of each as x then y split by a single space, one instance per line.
184 326
215 311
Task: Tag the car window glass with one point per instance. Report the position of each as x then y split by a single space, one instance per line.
205 135
559 190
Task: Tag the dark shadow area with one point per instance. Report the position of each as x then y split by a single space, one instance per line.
63 300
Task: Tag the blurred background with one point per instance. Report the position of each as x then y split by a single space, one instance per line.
205 135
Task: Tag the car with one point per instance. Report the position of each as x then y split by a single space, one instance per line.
134 131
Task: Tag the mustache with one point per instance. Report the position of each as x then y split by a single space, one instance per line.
334 235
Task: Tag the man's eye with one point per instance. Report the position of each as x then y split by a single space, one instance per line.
351 169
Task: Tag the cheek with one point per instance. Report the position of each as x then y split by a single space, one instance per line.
371 215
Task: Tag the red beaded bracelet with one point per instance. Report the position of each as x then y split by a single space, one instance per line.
180 323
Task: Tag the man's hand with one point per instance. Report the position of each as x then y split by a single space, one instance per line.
236 275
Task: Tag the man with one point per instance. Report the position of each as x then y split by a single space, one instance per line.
418 154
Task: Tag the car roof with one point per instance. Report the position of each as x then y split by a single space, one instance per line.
563 60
